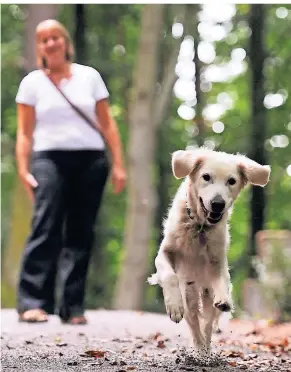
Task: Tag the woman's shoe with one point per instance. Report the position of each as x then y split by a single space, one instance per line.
76 320
33 316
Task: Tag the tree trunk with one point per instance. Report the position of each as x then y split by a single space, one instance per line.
21 208
141 147
258 120
79 35
36 14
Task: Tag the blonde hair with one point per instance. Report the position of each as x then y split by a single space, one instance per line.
70 52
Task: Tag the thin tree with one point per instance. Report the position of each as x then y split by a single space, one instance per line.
79 34
199 120
257 151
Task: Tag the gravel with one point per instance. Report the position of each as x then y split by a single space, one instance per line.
122 341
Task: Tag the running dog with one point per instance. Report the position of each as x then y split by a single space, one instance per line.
191 264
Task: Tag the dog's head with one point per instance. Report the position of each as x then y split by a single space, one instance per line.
216 178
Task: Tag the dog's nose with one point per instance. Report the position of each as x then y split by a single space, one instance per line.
217 204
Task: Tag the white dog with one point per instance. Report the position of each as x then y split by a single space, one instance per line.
191 264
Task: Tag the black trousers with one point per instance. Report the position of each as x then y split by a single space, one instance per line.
67 200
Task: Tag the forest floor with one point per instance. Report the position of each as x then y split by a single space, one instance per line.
122 341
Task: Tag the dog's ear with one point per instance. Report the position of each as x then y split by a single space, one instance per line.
253 172
184 162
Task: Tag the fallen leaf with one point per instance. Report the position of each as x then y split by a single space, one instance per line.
161 344
61 344
233 354
130 368
28 342
156 335
285 341
233 364
95 353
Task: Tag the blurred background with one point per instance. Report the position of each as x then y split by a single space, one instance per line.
216 75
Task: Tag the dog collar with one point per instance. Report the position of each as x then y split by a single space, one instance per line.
201 229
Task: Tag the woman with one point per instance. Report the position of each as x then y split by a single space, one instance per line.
62 163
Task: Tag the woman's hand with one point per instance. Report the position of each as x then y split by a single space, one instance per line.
111 135
25 128
29 183
118 178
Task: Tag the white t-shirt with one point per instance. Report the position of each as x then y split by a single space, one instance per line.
58 126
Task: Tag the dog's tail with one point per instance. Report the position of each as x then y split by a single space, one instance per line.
153 279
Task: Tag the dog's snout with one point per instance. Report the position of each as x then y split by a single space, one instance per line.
217 204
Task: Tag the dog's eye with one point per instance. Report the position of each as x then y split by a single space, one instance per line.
232 181
206 177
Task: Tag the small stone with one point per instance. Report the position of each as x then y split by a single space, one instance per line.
72 363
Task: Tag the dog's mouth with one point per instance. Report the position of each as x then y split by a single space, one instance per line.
211 217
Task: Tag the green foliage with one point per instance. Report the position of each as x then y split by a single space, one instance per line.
113 50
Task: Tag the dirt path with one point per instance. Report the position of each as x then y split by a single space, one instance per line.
122 341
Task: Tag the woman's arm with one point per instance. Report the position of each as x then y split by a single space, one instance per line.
25 127
111 134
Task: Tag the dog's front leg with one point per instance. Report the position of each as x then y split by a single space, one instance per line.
221 285
170 285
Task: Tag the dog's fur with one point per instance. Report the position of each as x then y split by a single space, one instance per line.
193 273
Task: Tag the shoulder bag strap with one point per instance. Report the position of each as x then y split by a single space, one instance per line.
81 113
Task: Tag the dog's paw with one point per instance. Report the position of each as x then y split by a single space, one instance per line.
173 298
174 306
223 306
175 311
